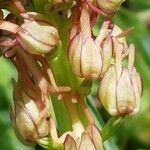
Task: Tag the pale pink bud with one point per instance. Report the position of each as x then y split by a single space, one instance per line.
37 36
84 54
120 89
90 140
85 57
24 115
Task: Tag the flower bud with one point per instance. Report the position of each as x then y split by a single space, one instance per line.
121 88
85 57
24 116
84 54
38 37
90 140
109 6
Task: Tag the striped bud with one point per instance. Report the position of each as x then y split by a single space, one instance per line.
121 88
84 54
90 140
24 115
37 36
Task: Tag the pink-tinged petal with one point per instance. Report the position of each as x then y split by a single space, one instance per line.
42 32
94 8
7 42
99 39
118 49
91 61
115 32
85 22
107 54
25 125
125 94
75 53
73 32
107 91
104 28
10 27
69 143
86 142
137 88
31 45
34 16
18 6
131 57
76 40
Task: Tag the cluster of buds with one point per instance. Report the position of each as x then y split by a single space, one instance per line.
93 58
121 88
46 52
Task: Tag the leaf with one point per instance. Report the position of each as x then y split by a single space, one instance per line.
111 127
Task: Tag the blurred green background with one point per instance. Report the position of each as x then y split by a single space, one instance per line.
134 133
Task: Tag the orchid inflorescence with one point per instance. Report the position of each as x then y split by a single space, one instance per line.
53 47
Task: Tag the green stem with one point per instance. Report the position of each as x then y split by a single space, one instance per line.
78 114
77 125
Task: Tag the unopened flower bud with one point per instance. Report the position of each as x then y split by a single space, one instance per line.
90 140
37 37
24 116
109 6
121 88
84 54
85 57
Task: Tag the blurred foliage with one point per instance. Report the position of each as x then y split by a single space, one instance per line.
134 132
